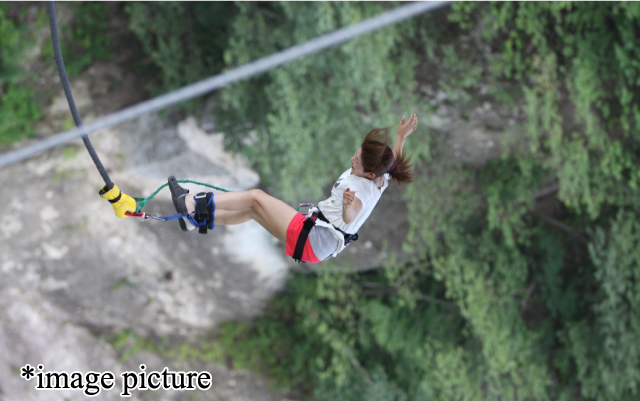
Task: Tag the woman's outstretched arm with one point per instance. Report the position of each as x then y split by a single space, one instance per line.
404 130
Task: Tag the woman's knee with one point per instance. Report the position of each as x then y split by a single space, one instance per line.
257 195
257 192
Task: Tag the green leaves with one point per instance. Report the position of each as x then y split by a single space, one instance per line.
18 114
185 41
88 39
9 46
613 349
19 111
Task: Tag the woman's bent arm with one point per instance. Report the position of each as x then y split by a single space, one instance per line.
350 213
351 206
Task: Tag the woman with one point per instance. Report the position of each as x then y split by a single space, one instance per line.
337 219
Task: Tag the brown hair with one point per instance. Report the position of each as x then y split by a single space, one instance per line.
377 157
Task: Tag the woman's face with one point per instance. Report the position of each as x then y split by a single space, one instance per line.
356 164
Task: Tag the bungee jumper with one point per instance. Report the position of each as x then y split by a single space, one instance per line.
328 228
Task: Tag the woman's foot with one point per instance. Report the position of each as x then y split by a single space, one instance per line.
178 195
190 203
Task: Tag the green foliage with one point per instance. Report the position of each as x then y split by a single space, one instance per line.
18 109
575 59
184 40
10 48
88 38
482 271
356 388
280 346
128 343
559 294
329 334
580 54
608 357
509 184
18 113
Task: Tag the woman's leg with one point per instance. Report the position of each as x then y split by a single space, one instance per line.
274 213
233 217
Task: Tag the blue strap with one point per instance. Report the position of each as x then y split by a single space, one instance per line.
211 206
207 210
192 220
173 216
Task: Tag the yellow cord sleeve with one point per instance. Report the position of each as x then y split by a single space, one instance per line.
121 202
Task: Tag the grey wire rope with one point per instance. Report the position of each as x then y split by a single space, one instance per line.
57 55
218 81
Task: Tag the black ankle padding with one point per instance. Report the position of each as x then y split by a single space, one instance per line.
204 212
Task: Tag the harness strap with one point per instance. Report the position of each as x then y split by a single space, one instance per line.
347 237
302 238
205 210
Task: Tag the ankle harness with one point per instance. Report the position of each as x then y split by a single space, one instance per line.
203 215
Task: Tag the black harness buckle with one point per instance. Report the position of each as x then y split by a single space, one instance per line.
205 208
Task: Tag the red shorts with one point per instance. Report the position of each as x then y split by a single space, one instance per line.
293 231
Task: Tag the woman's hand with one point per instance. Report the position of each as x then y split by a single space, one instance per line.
351 206
347 198
404 130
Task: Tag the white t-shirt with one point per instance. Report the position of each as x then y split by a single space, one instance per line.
366 190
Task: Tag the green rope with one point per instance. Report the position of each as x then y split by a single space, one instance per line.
144 201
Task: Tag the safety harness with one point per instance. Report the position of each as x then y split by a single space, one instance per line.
306 228
205 209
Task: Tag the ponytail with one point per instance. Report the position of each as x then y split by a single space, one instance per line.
402 172
378 158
